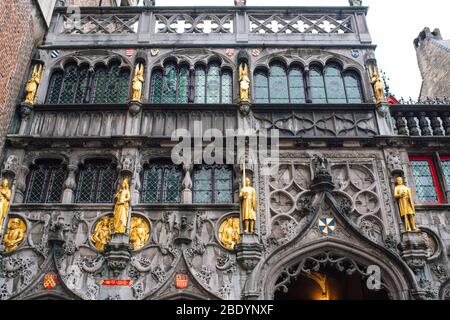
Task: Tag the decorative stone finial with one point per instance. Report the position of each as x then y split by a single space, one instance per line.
240 3
354 3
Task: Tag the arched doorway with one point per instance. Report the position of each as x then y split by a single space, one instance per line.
330 284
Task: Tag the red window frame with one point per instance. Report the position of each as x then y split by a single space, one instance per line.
434 175
445 158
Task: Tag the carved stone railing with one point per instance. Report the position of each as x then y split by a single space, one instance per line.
220 26
421 120
318 121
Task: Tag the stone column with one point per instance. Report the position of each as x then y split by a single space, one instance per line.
70 185
20 185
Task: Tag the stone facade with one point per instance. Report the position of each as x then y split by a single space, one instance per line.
337 161
433 56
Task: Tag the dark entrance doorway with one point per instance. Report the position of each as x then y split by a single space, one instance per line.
330 284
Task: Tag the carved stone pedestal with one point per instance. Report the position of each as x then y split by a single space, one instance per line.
413 249
248 251
25 110
118 253
134 107
244 108
322 182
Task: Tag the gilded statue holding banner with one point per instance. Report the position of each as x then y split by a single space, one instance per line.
138 82
377 84
5 198
15 234
122 207
33 84
404 197
248 204
244 83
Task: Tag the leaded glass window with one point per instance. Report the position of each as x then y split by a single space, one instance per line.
45 182
200 84
353 88
213 83
183 85
54 88
227 87
446 169
96 182
170 84
334 85
157 82
425 181
213 184
161 184
278 84
111 84
69 86
317 86
261 87
172 87
296 85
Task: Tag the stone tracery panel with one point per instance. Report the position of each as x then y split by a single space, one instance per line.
203 23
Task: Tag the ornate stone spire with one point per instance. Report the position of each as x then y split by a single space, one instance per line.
240 3
355 3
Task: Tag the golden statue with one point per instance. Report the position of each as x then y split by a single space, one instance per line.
377 84
138 82
405 204
121 207
248 207
229 232
102 233
5 198
244 83
139 233
32 84
15 234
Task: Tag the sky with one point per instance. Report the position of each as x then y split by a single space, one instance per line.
393 24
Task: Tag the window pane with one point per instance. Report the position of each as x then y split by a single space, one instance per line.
100 82
69 85
112 87
223 185
353 88
86 186
107 179
227 87
152 185
82 85
213 84
200 87
172 185
55 88
278 84
183 85
124 84
203 185
334 85
261 88
96 183
157 80
425 187
296 86
37 182
170 84
55 186
446 168
317 86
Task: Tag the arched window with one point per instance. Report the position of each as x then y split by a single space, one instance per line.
161 183
227 86
200 84
96 182
353 88
334 84
157 85
213 85
261 87
296 85
111 84
68 86
45 182
317 86
170 85
213 184
278 84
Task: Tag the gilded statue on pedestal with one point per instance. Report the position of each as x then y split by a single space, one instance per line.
5 198
377 84
15 234
248 205
404 197
102 232
121 207
244 83
138 82
32 84
229 232
139 232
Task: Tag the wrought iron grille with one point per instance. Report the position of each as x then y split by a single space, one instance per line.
45 183
213 184
96 182
161 184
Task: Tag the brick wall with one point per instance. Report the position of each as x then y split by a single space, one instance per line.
16 34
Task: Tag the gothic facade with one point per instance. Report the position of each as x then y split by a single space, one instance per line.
327 222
